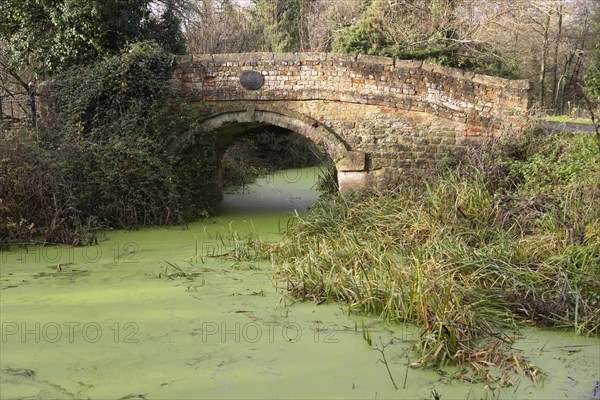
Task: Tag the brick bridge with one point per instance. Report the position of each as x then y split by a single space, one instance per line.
378 117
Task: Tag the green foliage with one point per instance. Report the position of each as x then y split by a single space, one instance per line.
556 164
197 173
366 36
65 193
166 30
116 97
566 119
99 162
592 82
53 35
592 77
281 23
489 64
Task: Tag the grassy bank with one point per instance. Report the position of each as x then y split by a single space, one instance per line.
509 236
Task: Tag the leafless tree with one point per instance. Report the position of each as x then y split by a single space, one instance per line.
17 90
548 40
224 26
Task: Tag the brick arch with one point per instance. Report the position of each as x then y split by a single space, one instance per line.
350 165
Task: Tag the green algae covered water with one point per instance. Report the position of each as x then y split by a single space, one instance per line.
159 314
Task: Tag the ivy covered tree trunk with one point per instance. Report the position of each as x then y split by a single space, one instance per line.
543 64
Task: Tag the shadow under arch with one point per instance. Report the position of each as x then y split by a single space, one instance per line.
227 126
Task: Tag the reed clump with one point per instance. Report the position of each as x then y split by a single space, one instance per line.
509 236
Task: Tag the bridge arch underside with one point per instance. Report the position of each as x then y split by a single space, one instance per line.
228 125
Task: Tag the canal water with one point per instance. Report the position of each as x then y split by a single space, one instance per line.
157 313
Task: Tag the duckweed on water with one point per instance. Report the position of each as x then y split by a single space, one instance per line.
469 256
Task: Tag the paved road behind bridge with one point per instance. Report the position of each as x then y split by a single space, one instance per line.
552 127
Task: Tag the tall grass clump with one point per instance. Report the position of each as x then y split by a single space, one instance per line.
510 236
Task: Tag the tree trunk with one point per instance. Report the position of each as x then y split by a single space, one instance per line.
543 66
555 85
1 119
562 85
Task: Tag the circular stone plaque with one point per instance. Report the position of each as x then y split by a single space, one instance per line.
252 80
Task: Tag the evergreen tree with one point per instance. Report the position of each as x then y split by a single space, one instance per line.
166 31
412 29
281 23
53 35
